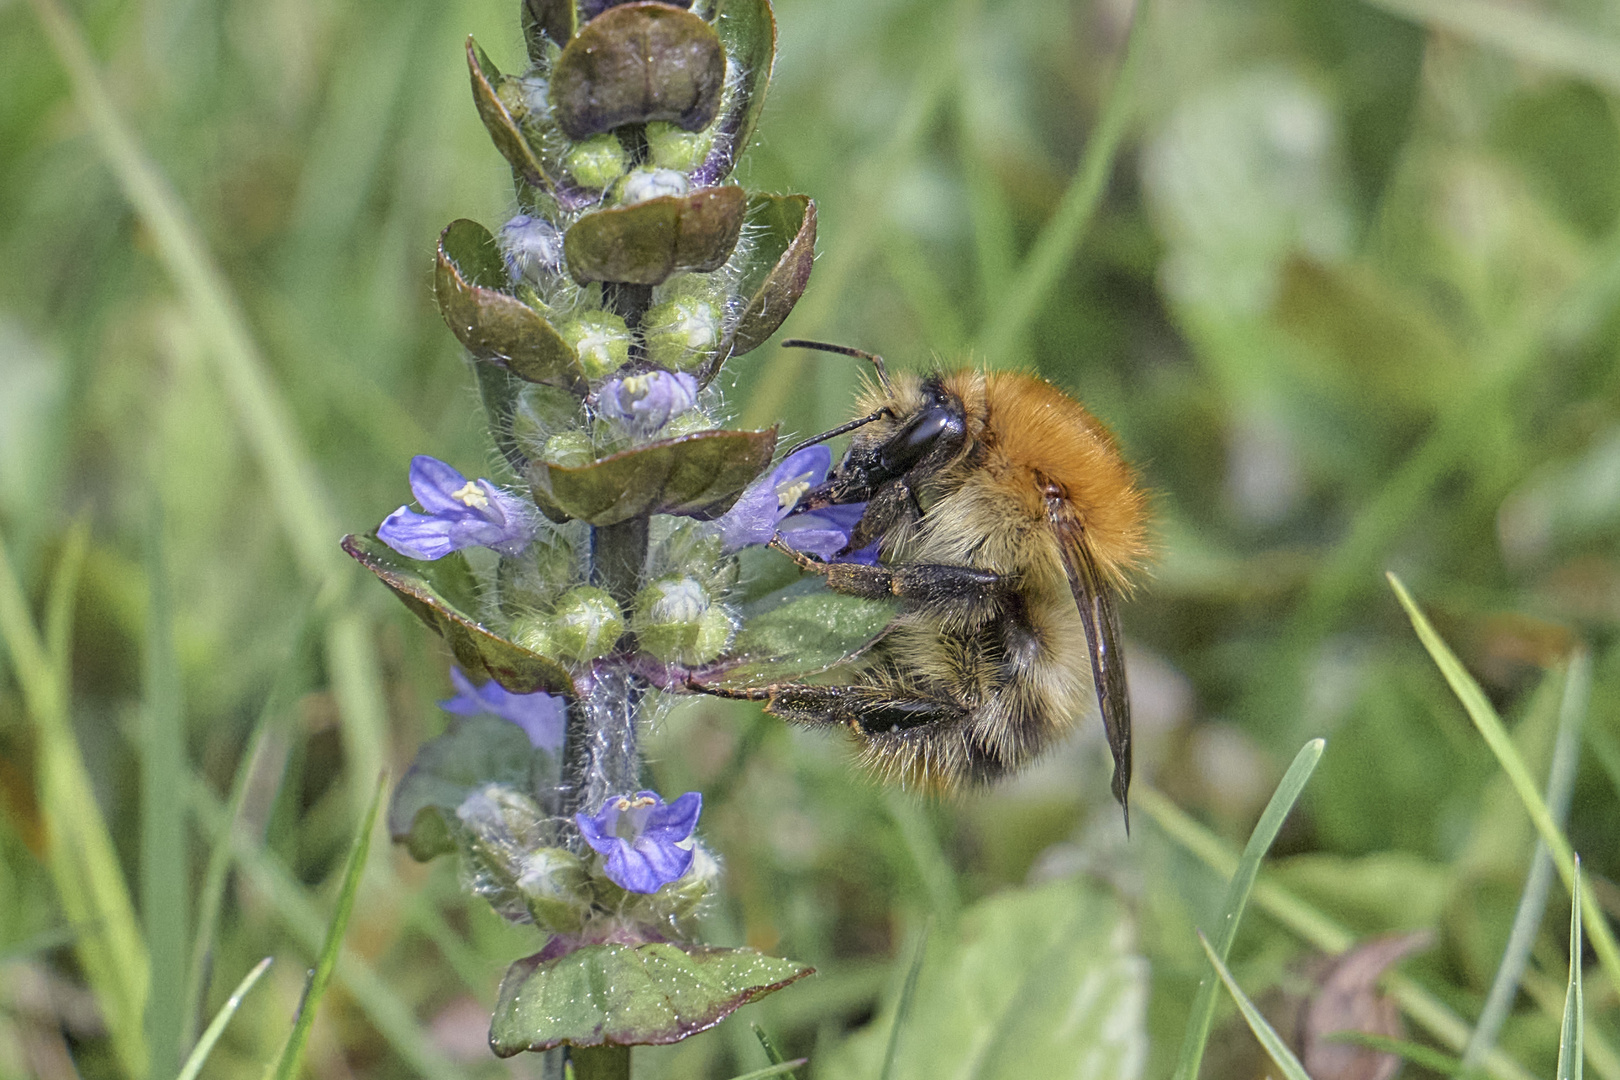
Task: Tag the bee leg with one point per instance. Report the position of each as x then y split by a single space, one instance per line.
866 710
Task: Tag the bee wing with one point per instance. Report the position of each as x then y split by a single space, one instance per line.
1096 602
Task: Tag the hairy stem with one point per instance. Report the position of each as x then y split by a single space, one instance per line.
600 756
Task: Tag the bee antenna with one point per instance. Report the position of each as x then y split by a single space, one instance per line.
844 350
837 431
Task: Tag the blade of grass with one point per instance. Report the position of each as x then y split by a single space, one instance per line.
216 1028
1318 929
300 505
82 862
1507 756
1606 748
287 898
1570 1036
211 896
1275 1048
1033 283
1423 1056
772 1054
165 878
292 1052
1237 898
1533 900
922 843
1529 34
1548 994
902 1008
783 1069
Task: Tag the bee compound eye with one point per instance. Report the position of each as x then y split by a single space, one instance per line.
912 443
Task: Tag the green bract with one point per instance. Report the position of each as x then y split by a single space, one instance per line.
647 242
480 652
638 62
493 325
701 473
626 995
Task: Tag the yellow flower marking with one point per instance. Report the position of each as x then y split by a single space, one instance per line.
471 495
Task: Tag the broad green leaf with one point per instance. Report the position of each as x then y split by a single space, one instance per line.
1041 982
776 270
693 474
480 652
292 1052
475 751
504 131
646 242
1275 1048
800 631
638 62
629 995
1237 898
493 326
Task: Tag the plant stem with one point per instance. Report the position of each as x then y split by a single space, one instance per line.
600 1062
600 757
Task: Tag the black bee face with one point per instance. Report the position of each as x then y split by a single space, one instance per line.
920 441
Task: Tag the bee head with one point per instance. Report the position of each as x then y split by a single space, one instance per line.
922 431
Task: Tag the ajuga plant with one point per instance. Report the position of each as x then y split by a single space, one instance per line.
601 567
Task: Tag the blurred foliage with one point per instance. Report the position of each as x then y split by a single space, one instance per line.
1349 301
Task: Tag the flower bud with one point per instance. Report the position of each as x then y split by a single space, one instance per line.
597 161
570 449
556 888
644 184
643 404
586 624
681 333
676 622
533 632
672 148
601 339
541 412
532 248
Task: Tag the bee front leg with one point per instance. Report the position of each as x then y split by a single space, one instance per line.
947 589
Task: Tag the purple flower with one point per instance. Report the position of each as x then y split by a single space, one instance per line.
645 403
531 247
461 513
759 514
541 716
648 843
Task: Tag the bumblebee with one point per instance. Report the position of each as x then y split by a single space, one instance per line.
1008 525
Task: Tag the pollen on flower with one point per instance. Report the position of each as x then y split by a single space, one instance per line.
787 494
470 494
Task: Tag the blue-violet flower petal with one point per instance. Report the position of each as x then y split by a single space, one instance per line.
647 842
645 403
461 513
542 716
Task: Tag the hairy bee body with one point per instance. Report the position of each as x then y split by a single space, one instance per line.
1007 522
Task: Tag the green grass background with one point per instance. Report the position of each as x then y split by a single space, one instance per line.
1348 297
